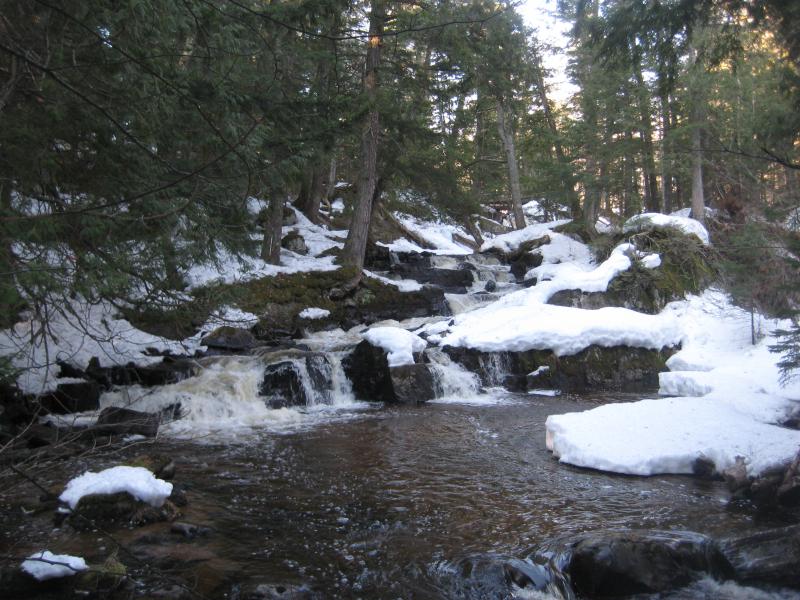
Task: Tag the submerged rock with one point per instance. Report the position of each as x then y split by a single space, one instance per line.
625 563
120 510
124 421
769 557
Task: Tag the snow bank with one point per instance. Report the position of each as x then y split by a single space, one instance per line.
76 332
46 565
399 343
404 285
508 242
564 330
137 481
728 401
649 220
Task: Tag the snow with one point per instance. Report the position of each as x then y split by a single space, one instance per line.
646 221
404 285
439 235
728 399
41 565
76 332
508 242
137 481
522 321
313 312
401 345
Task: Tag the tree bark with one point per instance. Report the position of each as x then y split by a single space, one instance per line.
697 113
507 137
356 243
646 131
271 245
666 159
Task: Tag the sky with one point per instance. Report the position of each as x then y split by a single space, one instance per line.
540 15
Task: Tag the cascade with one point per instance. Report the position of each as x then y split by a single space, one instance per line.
495 368
450 379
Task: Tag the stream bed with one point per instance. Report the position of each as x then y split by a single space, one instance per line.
405 502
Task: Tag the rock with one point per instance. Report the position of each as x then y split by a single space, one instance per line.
494 576
377 257
124 421
490 286
525 263
282 386
230 339
789 490
168 371
189 530
736 478
792 418
297 378
373 380
619 368
451 280
120 510
642 562
289 217
294 242
704 467
412 384
72 397
770 557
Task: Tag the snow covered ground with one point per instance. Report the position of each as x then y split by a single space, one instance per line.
724 393
727 401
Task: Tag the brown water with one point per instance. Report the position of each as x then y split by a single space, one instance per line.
392 504
388 503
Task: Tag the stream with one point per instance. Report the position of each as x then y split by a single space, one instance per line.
413 502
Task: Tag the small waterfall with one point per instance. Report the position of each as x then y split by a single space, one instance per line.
495 368
450 379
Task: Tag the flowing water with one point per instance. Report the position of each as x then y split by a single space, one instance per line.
410 502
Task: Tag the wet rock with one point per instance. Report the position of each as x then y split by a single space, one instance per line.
789 490
704 467
72 397
170 370
230 339
769 557
294 242
451 280
632 562
525 263
490 286
124 421
494 576
118 510
272 591
377 257
301 379
189 530
373 380
412 384
619 368
792 418
736 478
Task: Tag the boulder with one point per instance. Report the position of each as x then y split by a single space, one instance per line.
411 384
789 490
294 242
373 380
297 378
520 266
168 371
124 421
229 339
625 563
118 510
72 397
769 557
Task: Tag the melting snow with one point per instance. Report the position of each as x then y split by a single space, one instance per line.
650 220
46 565
399 343
137 481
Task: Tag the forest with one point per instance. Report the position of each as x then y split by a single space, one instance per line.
134 132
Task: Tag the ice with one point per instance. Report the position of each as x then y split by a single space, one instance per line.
137 481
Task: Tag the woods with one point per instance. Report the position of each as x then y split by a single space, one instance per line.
133 133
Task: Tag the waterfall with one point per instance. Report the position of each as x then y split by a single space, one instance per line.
495 368
450 379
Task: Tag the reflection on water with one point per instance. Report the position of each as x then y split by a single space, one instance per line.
384 505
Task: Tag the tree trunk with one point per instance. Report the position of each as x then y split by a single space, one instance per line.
507 137
646 130
356 244
697 114
271 245
666 159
